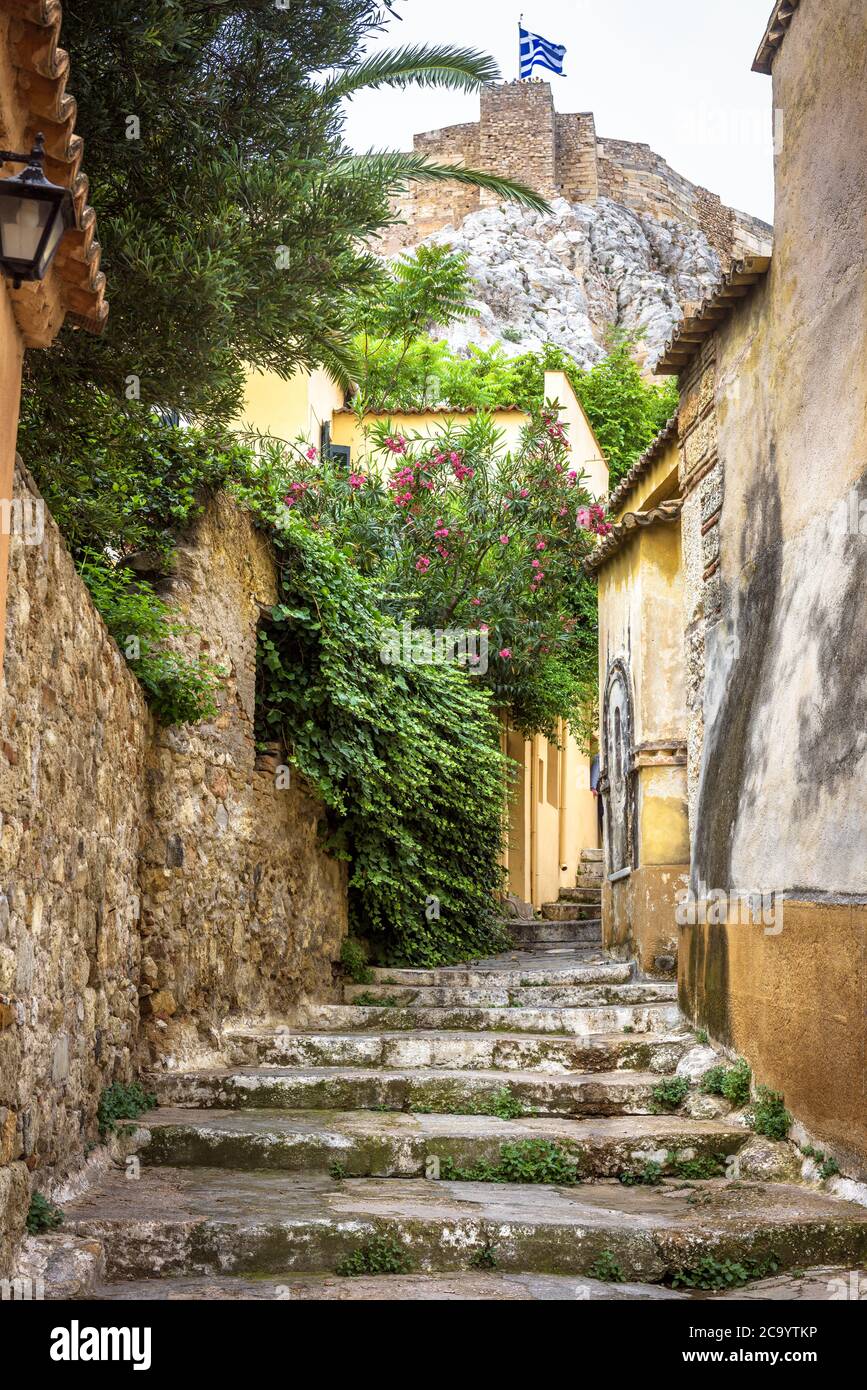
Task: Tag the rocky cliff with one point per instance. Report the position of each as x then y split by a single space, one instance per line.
569 276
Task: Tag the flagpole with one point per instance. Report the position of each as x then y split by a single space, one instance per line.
520 22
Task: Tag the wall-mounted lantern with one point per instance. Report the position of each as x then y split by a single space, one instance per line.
34 214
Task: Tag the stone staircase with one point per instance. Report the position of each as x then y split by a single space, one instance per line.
455 1133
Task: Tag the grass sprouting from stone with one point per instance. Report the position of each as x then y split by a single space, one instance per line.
377 1255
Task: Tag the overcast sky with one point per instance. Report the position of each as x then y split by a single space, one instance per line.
674 74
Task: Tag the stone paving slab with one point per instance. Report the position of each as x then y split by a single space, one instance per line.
394 1144
543 995
504 1051
360 1088
199 1221
814 1285
506 975
581 1021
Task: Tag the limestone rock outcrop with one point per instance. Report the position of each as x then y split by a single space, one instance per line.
570 276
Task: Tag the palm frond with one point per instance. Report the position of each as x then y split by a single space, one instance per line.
394 170
339 359
462 69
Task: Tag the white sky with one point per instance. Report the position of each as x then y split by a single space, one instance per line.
674 74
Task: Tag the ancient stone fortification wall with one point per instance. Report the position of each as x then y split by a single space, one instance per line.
519 135
778 408
136 861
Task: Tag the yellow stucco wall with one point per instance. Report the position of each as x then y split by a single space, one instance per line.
641 632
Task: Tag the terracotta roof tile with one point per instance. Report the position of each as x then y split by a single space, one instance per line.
628 526
42 70
778 27
705 318
643 464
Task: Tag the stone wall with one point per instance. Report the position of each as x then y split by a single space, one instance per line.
242 911
74 734
519 135
775 523
152 882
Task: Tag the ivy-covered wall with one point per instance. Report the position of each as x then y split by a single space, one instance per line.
152 881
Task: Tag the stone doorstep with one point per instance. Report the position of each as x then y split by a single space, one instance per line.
580 894
537 996
363 1088
398 1145
610 973
200 1221
571 911
506 1052
583 1021
571 934
814 1285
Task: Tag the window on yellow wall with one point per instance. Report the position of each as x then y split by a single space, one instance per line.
553 775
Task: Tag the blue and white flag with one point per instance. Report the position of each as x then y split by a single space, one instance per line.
540 53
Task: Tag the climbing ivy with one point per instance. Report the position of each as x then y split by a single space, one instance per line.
405 757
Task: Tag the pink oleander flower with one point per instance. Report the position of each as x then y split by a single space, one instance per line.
357 480
582 516
311 453
454 458
537 564
441 532
541 545
397 444
525 492
476 602
422 564
505 653
504 540
483 627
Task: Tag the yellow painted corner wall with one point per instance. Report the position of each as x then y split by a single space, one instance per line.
346 429
552 816
288 409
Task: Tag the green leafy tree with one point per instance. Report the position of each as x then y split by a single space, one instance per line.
233 218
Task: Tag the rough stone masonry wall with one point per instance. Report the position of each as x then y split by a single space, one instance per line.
242 911
137 861
74 732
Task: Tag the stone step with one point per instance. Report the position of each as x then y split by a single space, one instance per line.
571 911
207 1220
812 1285
569 934
506 1051
397 1145
581 895
520 996
421 1089
478 977
591 856
596 1018
589 880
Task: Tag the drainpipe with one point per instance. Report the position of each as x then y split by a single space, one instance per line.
562 739
534 820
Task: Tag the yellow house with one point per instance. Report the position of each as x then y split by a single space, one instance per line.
554 813
642 710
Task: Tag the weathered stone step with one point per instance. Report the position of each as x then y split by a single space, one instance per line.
601 1018
182 1220
492 997
507 1051
433 1089
591 856
571 911
605 972
392 1144
570 934
812 1285
579 894
589 879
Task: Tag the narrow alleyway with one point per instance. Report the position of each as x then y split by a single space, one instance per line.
319 1148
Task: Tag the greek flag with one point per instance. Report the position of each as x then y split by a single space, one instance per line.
539 52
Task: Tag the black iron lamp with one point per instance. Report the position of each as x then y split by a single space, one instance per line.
34 214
